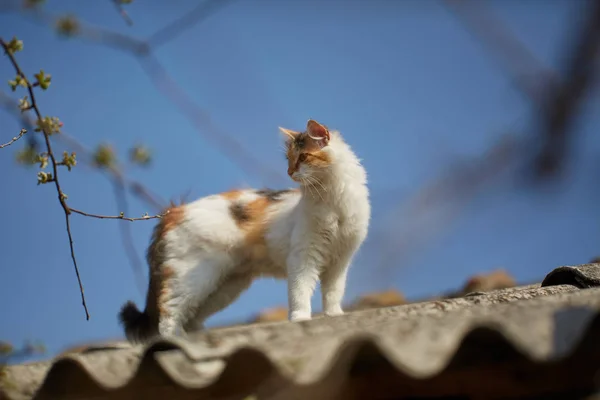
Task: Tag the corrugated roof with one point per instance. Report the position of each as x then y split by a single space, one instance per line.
521 340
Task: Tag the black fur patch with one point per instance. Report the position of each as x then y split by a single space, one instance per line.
239 213
273 195
300 140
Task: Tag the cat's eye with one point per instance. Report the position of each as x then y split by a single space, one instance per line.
302 157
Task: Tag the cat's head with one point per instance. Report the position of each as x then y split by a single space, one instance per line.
308 152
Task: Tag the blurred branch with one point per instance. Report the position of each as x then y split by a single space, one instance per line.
432 208
226 144
86 155
23 131
127 237
561 99
565 103
118 177
504 46
450 193
69 26
200 13
119 6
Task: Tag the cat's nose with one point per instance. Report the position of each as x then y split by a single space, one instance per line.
290 171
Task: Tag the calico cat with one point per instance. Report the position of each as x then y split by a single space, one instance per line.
204 254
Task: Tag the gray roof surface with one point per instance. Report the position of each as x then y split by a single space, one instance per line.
529 326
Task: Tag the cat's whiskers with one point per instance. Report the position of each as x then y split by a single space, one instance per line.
320 184
311 181
307 185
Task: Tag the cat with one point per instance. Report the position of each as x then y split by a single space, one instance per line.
204 254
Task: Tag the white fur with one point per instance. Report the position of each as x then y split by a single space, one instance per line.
311 235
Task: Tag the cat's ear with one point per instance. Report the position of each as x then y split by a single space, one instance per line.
288 133
317 132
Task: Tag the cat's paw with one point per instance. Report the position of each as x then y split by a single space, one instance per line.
296 316
334 312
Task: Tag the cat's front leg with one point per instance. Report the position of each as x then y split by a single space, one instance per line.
302 279
333 286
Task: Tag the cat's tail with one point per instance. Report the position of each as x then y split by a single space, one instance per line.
138 325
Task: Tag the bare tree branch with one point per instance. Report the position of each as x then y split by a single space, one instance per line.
169 32
93 34
119 181
23 131
119 6
55 177
225 143
121 217
85 154
127 237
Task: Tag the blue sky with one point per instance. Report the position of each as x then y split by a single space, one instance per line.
405 83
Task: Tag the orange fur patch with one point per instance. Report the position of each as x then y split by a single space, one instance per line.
251 220
232 194
166 274
172 219
315 156
159 272
272 315
381 299
319 159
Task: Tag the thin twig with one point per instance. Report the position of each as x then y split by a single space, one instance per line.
119 181
85 154
225 143
122 217
135 262
55 179
200 13
122 12
94 34
114 172
23 131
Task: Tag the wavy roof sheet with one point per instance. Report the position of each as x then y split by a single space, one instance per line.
536 340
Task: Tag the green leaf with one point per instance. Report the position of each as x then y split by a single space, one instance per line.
18 81
43 79
140 155
104 156
67 26
24 104
27 156
42 159
14 45
48 125
68 161
44 177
